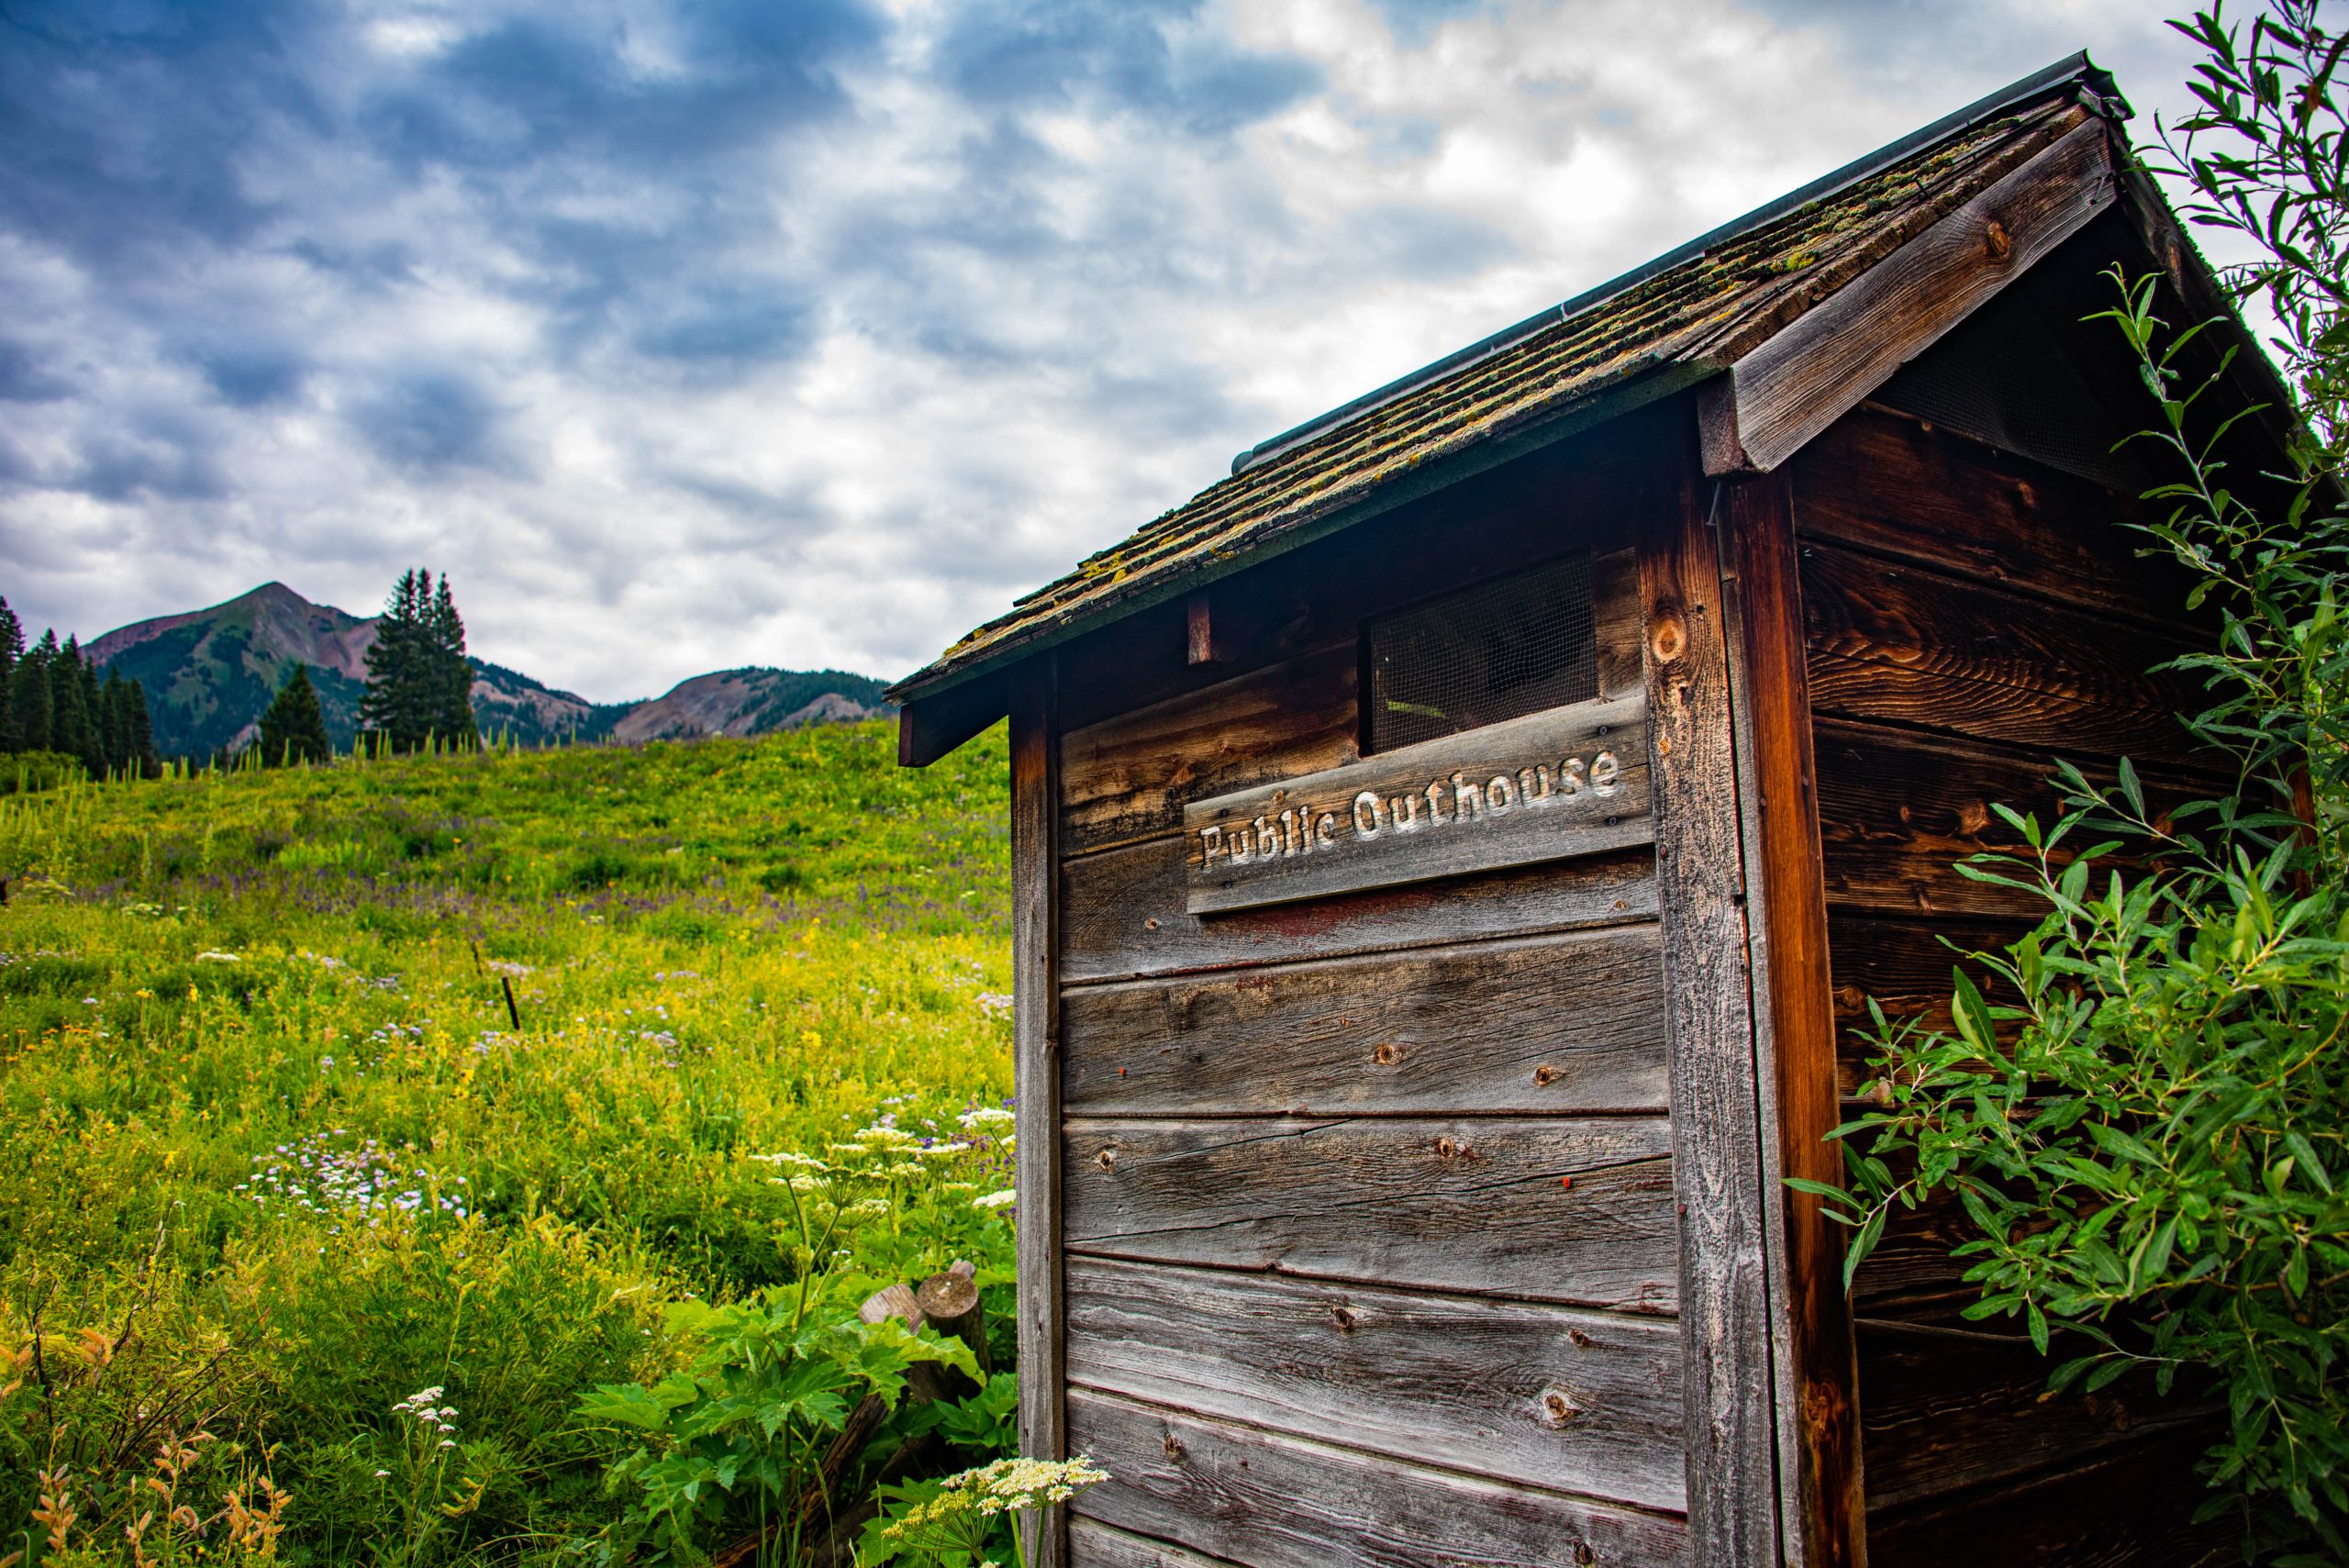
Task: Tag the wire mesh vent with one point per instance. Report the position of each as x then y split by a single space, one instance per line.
1515 646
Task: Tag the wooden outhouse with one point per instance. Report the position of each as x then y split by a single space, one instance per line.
1450 853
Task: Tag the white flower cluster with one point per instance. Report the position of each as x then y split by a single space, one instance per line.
426 1411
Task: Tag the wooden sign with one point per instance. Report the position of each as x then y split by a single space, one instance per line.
1571 781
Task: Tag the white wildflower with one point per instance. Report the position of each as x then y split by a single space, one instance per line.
1004 1199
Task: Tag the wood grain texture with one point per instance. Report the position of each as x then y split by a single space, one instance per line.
1899 808
1955 1408
1035 795
1557 1025
1575 1211
1584 1402
1888 483
2130 1507
1824 1517
1128 777
1800 381
1910 646
1271 1501
1092 1544
1709 1022
1122 914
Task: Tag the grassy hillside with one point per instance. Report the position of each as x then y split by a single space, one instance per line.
279 1157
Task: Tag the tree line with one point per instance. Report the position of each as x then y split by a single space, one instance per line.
51 700
420 685
419 694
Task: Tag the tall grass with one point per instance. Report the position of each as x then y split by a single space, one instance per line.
278 1157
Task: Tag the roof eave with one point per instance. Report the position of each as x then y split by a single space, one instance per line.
1635 388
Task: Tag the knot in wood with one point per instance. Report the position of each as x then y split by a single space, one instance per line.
1557 1409
1343 1317
1107 1159
1545 1075
1174 1446
1387 1055
1584 1555
1447 1148
1667 641
1995 242
1581 1340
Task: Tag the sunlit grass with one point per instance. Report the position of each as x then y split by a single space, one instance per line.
266 1018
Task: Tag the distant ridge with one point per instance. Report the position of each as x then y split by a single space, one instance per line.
209 673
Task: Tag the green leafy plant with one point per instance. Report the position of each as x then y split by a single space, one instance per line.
2148 1132
772 1383
963 1520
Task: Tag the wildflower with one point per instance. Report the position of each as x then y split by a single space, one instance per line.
986 1116
1004 1199
803 1162
381 1474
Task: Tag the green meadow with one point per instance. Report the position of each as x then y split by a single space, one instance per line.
359 1124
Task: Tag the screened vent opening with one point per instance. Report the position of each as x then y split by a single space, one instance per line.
1502 649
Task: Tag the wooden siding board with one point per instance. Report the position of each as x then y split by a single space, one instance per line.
1582 1402
1725 1312
1950 1408
1092 1544
1273 1501
1908 646
1035 795
1575 1211
1123 915
1816 1381
1128 778
1564 1024
1885 482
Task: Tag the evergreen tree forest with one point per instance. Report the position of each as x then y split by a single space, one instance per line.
419 683
51 700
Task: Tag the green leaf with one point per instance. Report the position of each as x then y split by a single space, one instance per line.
624 1404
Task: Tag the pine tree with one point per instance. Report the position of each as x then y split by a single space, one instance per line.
419 683
114 722
395 710
453 685
142 734
294 728
12 652
94 718
28 693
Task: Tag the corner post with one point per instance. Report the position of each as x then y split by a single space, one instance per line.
1818 1438
1730 1436
1036 1073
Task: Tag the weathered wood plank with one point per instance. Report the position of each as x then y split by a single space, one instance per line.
1955 1408
2128 1509
1586 1402
1563 1024
1888 483
1709 1022
1915 647
1128 778
1035 795
1092 1544
1279 1502
1796 384
1824 1516
1557 1209
1122 914
1909 1276
1565 782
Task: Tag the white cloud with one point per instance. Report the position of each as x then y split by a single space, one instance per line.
679 355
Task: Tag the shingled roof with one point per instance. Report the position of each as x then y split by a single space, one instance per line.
1677 320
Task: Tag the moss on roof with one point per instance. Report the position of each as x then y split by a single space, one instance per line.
1697 316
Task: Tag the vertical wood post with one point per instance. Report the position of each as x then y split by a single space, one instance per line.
1036 1071
1818 1440
1708 1019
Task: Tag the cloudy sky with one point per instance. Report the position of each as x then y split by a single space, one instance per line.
808 332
